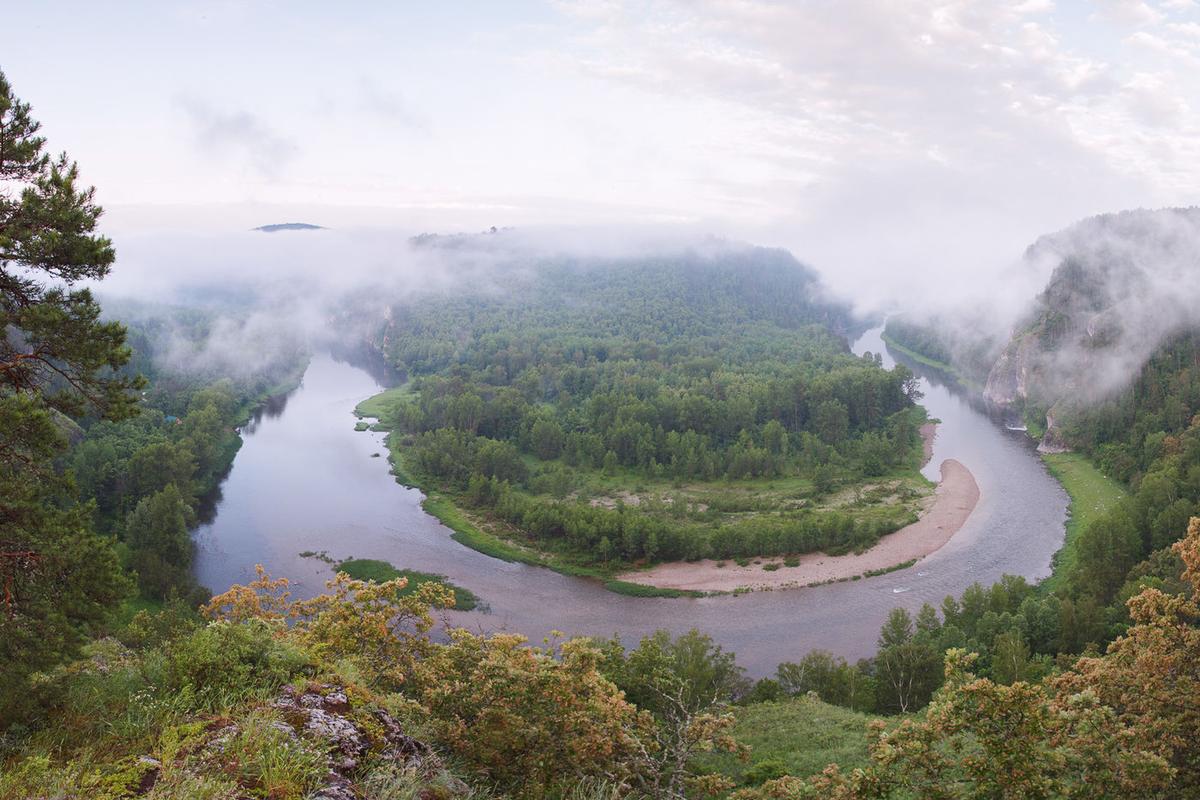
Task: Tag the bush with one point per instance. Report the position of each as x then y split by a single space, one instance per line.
531 720
766 770
226 660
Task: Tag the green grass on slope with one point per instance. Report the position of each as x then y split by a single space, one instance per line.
804 734
1092 494
371 569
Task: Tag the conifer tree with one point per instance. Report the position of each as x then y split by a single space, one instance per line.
57 358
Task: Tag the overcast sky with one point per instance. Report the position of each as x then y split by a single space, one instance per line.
870 137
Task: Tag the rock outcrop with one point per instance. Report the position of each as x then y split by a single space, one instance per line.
1052 441
1009 379
324 717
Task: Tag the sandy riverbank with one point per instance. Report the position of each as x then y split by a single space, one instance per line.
953 502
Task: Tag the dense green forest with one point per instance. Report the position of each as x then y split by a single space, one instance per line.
360 693
650 409
1073 362
1143 434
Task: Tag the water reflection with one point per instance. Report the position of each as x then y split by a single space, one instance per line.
306 481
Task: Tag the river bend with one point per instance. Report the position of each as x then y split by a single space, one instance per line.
305 480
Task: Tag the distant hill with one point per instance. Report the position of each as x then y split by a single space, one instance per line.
288 226
1123 285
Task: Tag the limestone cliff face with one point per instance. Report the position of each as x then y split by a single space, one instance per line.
1053 441
1010 383
1121 286
1009 379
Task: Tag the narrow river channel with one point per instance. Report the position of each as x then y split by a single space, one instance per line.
305 480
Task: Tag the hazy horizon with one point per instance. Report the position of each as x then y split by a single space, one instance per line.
905 152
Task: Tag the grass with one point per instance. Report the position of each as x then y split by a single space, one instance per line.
276 763
875 573
371 569
642 590
940 366
803 733
1092 494
471 535
381 406
1035 424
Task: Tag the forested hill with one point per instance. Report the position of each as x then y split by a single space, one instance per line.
564 393
1107 364
659 299
276 227
1123 287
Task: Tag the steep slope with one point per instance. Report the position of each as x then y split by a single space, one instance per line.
1123 287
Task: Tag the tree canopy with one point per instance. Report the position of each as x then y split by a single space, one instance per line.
56 358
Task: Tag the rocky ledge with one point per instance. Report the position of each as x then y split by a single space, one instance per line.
320 716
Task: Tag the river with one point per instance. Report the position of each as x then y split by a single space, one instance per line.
305 480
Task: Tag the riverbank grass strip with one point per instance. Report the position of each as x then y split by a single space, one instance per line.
642 590
383 406
875 573
466 533
1092 494
940 366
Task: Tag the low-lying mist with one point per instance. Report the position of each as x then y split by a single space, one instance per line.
259 295
268 293
1124 284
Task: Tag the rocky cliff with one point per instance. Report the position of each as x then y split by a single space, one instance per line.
1121 285
1008 380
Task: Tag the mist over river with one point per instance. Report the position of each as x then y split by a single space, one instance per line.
305 480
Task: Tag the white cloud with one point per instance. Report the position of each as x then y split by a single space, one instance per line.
879 140
942 128
1129 12
239 134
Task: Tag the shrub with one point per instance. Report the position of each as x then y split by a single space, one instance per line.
766 770
528 720
226 660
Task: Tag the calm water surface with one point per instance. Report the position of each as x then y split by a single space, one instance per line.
306 480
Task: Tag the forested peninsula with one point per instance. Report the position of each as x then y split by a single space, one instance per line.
598 416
